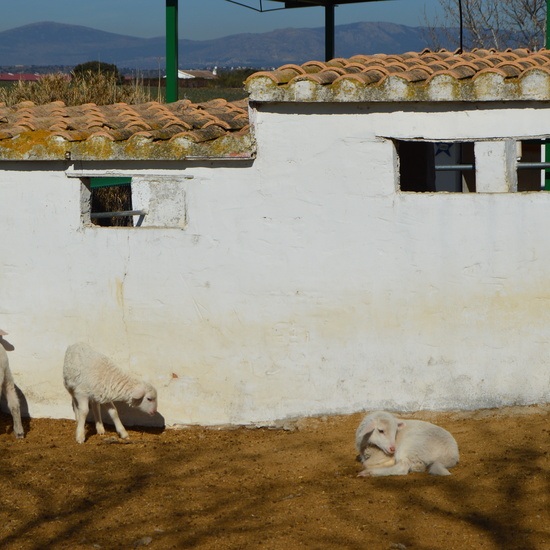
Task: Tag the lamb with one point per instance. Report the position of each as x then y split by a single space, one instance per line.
7 386
391 446
91 377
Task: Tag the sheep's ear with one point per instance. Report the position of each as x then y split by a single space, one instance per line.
369 428
139 393
366 436
400 424
364 443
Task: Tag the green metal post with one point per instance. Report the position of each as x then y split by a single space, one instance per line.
172 51
329 32
547 146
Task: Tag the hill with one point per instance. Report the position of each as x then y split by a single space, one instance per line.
50 43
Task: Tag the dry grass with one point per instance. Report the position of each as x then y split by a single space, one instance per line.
97 88
113 199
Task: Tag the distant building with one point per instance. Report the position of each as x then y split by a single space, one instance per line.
195 79
186 79
193 75
11 77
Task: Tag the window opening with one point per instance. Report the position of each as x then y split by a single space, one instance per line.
416 166
450 166
533 171
111 202
436 167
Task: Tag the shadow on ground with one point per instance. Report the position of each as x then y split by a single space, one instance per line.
246 488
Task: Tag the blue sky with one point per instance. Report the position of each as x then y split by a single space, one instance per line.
201 19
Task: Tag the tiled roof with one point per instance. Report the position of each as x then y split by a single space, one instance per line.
218 129
479 75
148 131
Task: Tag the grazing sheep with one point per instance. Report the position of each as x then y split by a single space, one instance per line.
390 446
92 377
7 387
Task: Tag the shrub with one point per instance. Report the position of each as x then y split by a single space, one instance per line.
98 88
233 78
93 68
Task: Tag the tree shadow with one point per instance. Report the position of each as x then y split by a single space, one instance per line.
505 478
199 488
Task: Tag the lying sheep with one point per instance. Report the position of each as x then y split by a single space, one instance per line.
7 387
91 377
390 446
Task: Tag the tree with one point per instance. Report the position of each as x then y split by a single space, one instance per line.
233 78
93 68
490 24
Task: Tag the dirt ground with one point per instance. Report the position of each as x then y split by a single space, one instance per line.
287 488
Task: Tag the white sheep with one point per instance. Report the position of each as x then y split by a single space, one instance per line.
91 377
392 446
7 387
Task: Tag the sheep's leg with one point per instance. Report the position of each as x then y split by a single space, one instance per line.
390 461
400 468
111 409
96 409
81 405
15 409
437 469
75 407
369 468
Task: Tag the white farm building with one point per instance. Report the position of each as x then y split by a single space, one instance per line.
361 234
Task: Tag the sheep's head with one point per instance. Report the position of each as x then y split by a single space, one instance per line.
380 430
145 398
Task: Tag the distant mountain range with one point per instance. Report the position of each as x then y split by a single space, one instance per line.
50 43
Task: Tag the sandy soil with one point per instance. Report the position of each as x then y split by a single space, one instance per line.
273 488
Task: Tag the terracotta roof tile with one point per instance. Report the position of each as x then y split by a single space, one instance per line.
324 77
478 75
8 133
370 76
510 68
313 66
416 74
480 63
218 129
71 135
461 70
213 129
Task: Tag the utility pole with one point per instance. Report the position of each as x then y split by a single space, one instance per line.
172 50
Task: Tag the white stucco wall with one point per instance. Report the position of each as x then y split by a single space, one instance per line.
300 283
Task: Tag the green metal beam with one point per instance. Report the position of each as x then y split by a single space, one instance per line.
547 146
329 6
97 182
172 51
329 32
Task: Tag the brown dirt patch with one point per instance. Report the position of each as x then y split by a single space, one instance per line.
273 488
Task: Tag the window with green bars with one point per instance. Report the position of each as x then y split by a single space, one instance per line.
450 166
111 201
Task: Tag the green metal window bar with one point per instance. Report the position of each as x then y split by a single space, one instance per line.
121 214
520 166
